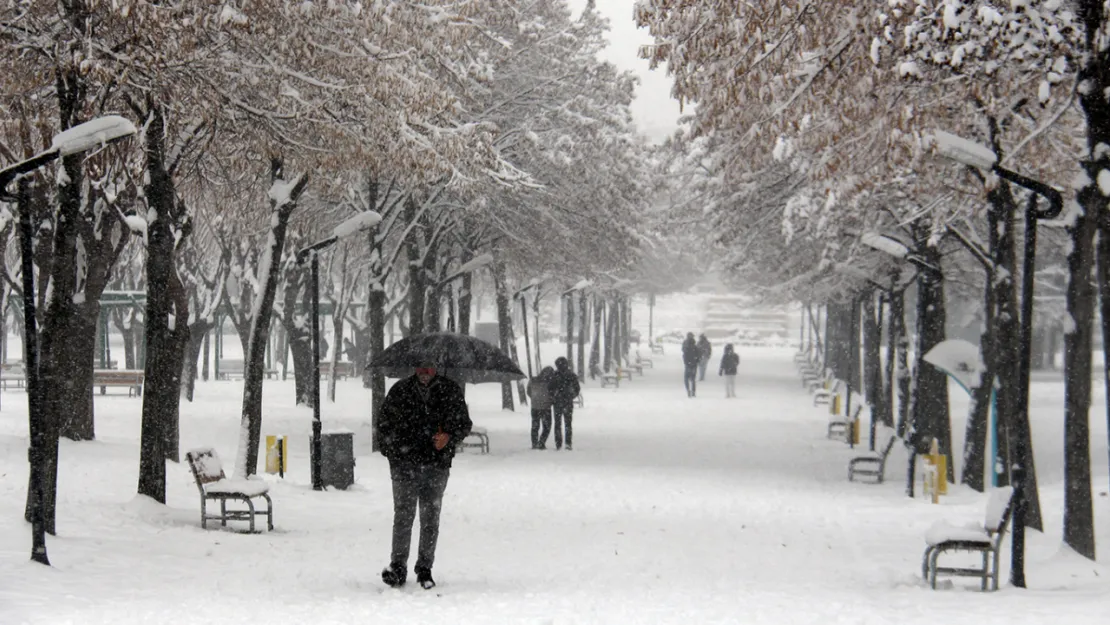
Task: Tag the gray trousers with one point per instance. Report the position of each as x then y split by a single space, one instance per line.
412 484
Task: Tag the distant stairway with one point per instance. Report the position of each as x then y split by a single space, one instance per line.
734 317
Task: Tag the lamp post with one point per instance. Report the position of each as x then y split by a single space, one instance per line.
358 223
80 138
981 157
524 321
897 249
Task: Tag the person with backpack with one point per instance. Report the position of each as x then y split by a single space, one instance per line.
539 391
729 362
564 388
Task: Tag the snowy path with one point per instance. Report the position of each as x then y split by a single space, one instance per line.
669 510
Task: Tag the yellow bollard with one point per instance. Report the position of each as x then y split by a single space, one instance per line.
941 462
935 478
834 405
855 431
277 454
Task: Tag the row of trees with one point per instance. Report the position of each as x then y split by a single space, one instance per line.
814 124
472 128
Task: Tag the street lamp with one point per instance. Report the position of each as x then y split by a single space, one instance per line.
536 282
897 249
981 157
358 223
80 138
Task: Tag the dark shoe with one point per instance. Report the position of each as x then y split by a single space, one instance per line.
424 578
569 448
394 575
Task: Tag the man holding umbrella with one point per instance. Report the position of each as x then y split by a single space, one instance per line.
423 418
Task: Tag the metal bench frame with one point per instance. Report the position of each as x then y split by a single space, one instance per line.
483 440
202 477
873 466
995 529
130 379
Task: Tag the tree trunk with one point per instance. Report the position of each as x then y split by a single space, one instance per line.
505 326
568 302
595 348
465 299
269 268
59 360
975 437
337 342
929 396
376 322
163 338
582 326
198 340
416 271
872 364
1078 510
1104 301
536 327
610 330
901 369
298 335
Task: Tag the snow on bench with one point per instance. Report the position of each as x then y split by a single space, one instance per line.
208 472
986 539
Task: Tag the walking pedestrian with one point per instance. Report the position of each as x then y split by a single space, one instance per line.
705 350
690 359
423 418
539 392
730 360
564 388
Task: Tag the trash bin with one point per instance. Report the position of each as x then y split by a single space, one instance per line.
337 455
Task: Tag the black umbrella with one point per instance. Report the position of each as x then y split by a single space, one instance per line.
457 356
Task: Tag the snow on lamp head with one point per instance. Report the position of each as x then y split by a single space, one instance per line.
964 151
91 134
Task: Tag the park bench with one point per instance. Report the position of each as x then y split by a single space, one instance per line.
343 369
579 400
985 539
656 348
208 472
814 377
627 369
873 463
13 372
230 369
645 363
131 379
841 424
824 394
607 379
480 442
236 369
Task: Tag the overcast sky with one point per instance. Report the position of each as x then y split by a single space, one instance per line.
655 111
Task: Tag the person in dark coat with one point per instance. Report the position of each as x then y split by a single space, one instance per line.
730 360
423 418
690 359
564 388
705 351
540 393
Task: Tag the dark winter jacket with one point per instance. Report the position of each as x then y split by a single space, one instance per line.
690 353
540 393
412 414
705 348
564 384
729 362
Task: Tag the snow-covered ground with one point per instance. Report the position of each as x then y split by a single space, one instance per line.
669 510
